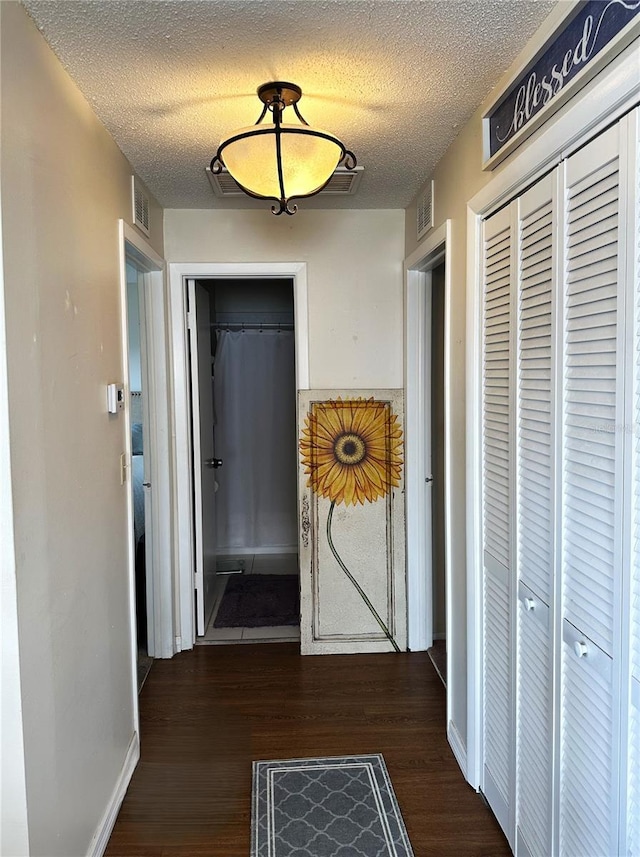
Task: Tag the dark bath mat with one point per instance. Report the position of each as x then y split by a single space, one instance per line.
259 601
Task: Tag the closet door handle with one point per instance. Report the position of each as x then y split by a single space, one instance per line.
529 604
581 649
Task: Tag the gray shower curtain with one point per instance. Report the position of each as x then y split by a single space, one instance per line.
255 431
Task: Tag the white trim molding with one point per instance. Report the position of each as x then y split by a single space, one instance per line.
432 251
131 244
417 266
457 745
179 272
474 503
100 839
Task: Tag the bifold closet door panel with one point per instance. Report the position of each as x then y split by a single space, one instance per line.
537 275
592 495
497 499
592 389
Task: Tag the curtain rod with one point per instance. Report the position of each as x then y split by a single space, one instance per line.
243 325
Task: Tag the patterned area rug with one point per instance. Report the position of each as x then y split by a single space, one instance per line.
333 807
259 601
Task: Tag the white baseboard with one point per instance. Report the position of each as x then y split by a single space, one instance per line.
100 838
458 747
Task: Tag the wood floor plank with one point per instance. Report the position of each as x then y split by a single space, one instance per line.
207 714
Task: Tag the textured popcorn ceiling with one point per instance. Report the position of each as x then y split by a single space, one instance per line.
394 79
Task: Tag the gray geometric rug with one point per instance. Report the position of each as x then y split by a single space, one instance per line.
343 806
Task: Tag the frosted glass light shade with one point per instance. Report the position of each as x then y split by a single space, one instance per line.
308 161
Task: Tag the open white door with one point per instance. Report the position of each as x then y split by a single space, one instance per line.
204 462
141 466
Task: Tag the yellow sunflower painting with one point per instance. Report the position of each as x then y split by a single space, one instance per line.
351 450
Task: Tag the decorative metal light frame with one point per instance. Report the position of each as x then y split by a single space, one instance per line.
273 169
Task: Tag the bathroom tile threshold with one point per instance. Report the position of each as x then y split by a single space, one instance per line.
250 564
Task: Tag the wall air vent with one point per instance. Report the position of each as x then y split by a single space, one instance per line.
424 212
140 206
343 183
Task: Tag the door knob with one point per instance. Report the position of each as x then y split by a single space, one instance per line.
214 462
581 649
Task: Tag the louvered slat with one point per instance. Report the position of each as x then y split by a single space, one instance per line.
587 787
590 384
535 725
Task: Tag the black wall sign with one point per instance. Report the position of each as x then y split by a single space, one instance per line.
581 39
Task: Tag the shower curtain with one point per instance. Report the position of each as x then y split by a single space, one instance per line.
255 433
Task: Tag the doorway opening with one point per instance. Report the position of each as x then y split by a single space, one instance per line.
243 418
438 651
431 611
140 458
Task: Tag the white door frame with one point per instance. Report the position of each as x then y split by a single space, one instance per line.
614 92
435 249
182 487
159 582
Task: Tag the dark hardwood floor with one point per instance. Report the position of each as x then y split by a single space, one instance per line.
206 714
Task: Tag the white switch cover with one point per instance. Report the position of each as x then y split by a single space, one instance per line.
115 398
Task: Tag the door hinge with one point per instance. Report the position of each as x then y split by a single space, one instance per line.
190 319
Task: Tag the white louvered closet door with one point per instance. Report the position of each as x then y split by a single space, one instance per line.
592 514
497 429
537 254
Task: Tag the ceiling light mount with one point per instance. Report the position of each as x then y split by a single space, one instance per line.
281 161
285 93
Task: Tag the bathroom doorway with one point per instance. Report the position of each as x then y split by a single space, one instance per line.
245 458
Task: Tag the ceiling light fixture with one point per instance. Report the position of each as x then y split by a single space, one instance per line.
281 161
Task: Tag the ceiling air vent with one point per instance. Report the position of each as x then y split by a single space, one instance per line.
424 213
140 206
343 182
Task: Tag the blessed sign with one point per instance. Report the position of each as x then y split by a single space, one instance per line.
581 38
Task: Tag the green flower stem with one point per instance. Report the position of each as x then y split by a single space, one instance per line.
359 589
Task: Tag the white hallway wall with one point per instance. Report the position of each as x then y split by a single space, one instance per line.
354 270
64 186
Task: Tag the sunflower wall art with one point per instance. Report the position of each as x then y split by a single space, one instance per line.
352 521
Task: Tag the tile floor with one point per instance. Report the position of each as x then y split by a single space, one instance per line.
267 563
